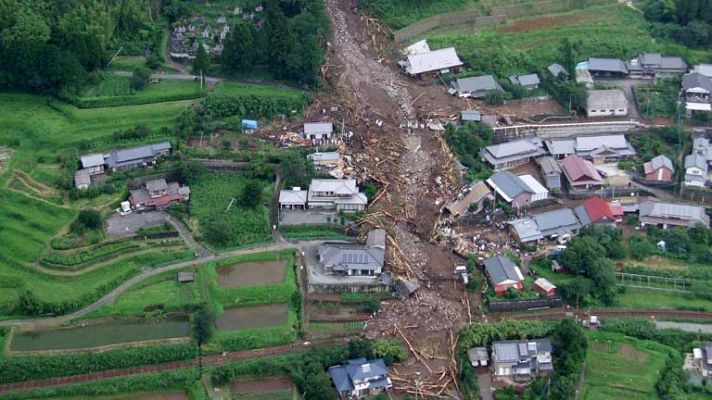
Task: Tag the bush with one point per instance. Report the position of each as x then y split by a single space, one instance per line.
87 219
390 350
140 78
152 61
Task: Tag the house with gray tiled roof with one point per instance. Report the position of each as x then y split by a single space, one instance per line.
134 157
519 191
697 163
360 377
522 360
528 81
607 67
511 154
656 65
697 90
503 274
662 214
353 259
339 194
475 87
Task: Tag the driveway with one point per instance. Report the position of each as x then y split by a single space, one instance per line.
302 217
126 225
485 384
627 86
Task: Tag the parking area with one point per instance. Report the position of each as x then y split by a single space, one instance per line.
306 217
118 225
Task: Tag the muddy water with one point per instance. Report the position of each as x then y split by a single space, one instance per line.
98 335
252 317
251 273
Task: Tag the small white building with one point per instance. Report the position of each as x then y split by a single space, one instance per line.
478 356
606 103
293 198
438 61
318 130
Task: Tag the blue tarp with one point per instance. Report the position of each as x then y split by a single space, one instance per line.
249 124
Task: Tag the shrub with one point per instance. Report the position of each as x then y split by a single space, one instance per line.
391 350
87 219
140 78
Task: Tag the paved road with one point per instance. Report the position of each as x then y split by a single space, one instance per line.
119 290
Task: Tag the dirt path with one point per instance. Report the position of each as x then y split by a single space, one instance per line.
169 61
408 162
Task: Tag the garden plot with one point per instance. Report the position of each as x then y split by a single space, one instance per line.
251 273
92 336
252 317
272 388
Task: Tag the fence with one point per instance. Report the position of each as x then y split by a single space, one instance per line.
520 305
652 282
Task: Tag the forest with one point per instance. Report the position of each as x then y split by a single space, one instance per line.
687 21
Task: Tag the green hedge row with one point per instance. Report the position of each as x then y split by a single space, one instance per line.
23 368
179 380
251 106
60 260
100 102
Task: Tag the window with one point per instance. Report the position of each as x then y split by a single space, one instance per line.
620 110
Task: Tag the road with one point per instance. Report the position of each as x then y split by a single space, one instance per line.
602 313
211 81
127 285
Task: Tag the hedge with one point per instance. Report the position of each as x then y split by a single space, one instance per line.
644 329
67 261
23 368
116 101
252 106
180 379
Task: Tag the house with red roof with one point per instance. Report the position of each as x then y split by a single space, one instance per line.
598 211
580 173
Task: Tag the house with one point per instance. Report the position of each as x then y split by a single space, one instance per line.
607 67
360 377
328 159
522 360
353 259
318 130
478 356
659 169
580 173
510 154
598 211
475 194
135 157
438 61
293 198
652 65
503 274
702 359
556 70
652 212
525 230
603 148
696 90
551 172
420 47
475 87
697 163
520 191
606 103
546 288
158 194
339 194
470 116
92 164
559 224
529 81
704 69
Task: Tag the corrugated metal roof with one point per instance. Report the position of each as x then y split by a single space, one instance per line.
556 69
508 185
433 61
476 84
550 222
318 128
92 160
607 65
613 99
500 268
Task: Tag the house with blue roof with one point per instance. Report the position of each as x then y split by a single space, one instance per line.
360 377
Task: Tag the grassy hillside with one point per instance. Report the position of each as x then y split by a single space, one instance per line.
528 44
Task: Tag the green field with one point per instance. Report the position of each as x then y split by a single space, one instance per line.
653 299
527 45
398 13
116 90
246 89
618 367
210 197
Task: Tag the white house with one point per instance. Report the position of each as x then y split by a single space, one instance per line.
339 194
318 130
606 103
697 163
293 198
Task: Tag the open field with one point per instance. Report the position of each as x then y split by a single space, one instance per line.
251 273
272 388
529 44
97 335
132 396
264 316
116 90
653 299
211 196
622 368
246 89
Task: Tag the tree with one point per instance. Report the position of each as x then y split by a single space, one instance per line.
201 63
202 324
251 194
390 350
240 50
152 61
360 348
296 170
568 57
87 219
494 98
140 78
278 38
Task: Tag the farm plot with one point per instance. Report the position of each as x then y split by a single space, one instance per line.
273 388
224 225
252 317
622 368
97 335
251 273
116 91
132 396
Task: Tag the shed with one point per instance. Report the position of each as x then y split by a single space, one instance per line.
543 286
556 70
318 130
478 356
185 277
604 103
248 124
